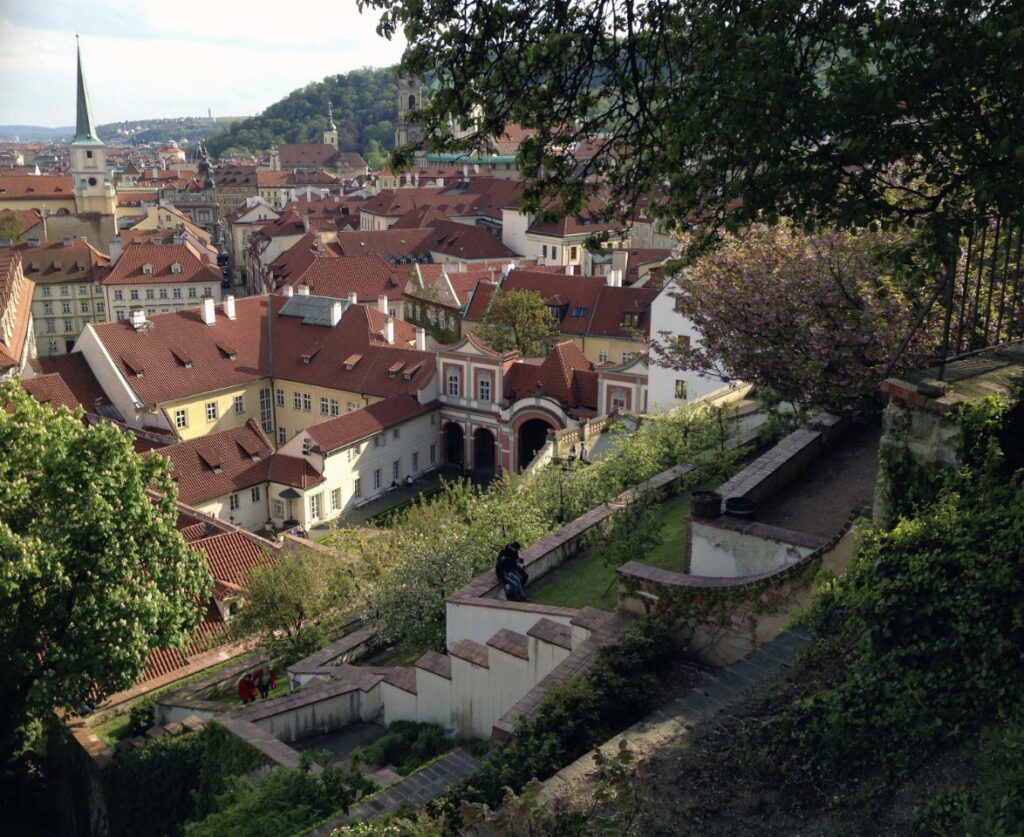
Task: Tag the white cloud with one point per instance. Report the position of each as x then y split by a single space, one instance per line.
158 59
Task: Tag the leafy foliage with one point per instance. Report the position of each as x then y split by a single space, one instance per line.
574 717
833 114
284 802
297 604
406 745
93 572
819 318
10 226
364 102
519 321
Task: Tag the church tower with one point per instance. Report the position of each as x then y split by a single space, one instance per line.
94 190
331 134
410 98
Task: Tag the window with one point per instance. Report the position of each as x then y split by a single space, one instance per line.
307 403
335 407
618 399
415 461
453 383
376 479
357 487
46 290
554 252
433 454
602 357
316 506
254 494
378 441
573 253
133 293
297 400
233 502
279 396
278 508
51 326
207 293
65 307
83 290
631 319
176 268
69 327
84 306
579 312
239 405
484 389
149 293
307 446
350 406
394 433
680 389
118 295
396 470
177 293
211 410
266 410
282 435
120 315
544 251
191 293
51 346
393 312
628 356
335 499
163 293
101 307
325 406
65 290
47 307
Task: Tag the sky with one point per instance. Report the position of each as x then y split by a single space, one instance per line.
146 59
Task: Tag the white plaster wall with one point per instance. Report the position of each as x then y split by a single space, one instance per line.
116 387
726 553
472 701
509 681
398 704
315 718
544 657
249 515
661 382
433 698
468 620
513 230
167 714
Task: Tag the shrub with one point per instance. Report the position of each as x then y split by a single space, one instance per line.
142 716
406 745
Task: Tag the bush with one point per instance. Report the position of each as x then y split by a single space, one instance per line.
142 716
406 745
286 801
621 688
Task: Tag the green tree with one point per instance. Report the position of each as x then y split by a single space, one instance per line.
299 603
93 573
10 227
840 113
519 320
374 155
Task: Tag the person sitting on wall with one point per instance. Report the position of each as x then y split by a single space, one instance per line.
511 573
572 454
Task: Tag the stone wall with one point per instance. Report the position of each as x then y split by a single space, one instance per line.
729 546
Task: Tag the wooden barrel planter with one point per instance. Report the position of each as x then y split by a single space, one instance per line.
740 507
706 504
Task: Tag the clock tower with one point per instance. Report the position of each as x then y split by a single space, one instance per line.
94 190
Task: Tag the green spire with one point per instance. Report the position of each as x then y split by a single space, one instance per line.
85 132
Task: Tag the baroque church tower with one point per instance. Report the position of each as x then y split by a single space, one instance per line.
331 134
94 190
410 98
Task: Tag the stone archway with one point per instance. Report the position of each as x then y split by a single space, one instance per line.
532 435
454 444
483 451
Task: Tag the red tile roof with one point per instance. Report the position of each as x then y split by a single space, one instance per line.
12 347
368 276
565 375
129 268
51 389
74 370
37 187
295 155
590 219
292 470
387 244
232 556
338 432
166 377
55 261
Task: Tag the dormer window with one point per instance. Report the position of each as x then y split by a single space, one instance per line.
175 268
147 270
631 319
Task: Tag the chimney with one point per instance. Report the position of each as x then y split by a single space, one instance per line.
305 222
335 313
382 304
209 313
288 291
609 280
568 270
229 307
421 340
138 318
389 330
353 298
303 290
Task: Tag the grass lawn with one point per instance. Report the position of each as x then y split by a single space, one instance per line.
116 729
586 581
402 654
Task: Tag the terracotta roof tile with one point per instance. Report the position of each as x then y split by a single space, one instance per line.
161 258
551 632
439 664
512 643
51 389
368 276
37 187
472 652
338 432
75 372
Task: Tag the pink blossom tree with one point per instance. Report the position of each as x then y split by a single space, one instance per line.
821 318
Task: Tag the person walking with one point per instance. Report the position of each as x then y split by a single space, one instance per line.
265 684
246 690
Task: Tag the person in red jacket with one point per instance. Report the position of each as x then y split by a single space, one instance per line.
246 689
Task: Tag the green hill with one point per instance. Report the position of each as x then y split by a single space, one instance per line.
364 102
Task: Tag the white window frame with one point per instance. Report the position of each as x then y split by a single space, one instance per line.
240 405
180 418
211 410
